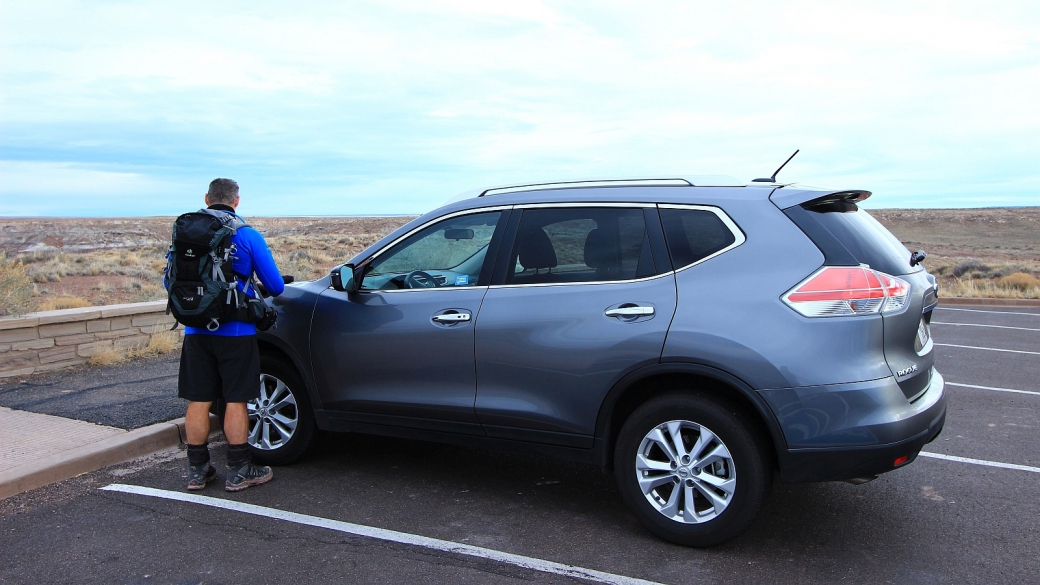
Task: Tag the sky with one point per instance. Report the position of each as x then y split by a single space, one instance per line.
366 108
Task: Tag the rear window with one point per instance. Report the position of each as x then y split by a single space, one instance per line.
693 234
866 239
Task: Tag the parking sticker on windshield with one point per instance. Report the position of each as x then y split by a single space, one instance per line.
462 280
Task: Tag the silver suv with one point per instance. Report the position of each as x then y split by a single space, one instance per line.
695 340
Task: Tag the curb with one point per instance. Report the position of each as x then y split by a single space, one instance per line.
61 466
989 302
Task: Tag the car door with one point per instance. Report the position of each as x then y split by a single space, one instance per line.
582 295
399 351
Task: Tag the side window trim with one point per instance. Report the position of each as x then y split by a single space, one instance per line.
738 234
651 217
505 251
492 259
658 246
485 271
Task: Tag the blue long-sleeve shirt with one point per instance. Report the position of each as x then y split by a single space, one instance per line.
252 256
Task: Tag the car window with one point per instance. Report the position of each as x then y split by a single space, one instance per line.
693 234
449 253
585 244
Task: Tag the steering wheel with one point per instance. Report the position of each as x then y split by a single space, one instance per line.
420 279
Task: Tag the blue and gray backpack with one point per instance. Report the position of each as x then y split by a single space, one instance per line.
203 287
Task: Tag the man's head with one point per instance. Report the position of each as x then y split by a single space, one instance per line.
222 191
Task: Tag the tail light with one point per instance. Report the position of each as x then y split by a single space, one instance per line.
835 291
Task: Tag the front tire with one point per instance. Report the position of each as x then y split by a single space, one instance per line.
281 422
693 469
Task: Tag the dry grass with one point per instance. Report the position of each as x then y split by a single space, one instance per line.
119 260
1020 281
986 278
16 288
56 303
160 343
106 355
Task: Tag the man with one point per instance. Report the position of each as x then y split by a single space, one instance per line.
224 363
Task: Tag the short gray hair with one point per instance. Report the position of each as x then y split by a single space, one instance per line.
222 191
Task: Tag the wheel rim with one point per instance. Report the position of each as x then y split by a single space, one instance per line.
685 471
273 416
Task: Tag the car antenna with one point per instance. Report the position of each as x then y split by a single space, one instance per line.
773 178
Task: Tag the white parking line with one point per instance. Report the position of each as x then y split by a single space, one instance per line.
992 388
981 311
980 325
981 462
989 348
387 535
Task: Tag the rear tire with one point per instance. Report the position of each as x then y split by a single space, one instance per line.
693 469
281 421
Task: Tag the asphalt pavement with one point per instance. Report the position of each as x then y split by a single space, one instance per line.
934 521
129 395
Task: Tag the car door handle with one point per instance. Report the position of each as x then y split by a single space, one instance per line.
629 312
451 317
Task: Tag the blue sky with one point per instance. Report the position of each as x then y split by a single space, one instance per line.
341 108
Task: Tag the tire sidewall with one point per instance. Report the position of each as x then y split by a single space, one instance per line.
751 462
301 439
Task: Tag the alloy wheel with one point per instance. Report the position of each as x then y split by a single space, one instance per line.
685 471
273 416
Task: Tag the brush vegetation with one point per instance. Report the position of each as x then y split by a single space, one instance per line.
60 263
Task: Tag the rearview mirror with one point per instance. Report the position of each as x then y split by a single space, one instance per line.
458 234
344 282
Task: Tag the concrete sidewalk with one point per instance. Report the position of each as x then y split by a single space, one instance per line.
40 449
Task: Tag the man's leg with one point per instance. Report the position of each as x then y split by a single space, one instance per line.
236 423
196 422
240 372
199 384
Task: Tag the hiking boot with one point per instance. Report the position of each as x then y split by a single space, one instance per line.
200 475
246 475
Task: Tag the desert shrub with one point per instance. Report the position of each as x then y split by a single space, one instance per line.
1020 281
16 287
160 342
63 302
141 293
106 355
973 266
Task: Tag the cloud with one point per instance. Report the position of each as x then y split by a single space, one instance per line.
368 107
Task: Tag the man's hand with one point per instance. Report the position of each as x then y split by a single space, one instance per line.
262 290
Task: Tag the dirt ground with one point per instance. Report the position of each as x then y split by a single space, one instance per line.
116 260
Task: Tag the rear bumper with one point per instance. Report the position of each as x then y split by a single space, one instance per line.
847 431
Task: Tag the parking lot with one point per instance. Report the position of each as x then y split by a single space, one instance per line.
376 510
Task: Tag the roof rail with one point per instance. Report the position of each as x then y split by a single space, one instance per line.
583 184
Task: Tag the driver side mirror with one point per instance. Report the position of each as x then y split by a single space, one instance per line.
344 282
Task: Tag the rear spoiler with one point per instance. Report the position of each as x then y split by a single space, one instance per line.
786 197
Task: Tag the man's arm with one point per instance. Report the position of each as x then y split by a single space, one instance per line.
263 262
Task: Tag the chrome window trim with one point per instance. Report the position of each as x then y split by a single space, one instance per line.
613 204
408 290
738 234
473 211
590 282
404 237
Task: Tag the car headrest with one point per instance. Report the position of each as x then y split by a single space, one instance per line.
599 250
536 250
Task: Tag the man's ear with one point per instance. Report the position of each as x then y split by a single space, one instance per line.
206 199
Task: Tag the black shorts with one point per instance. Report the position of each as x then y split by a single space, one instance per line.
215 367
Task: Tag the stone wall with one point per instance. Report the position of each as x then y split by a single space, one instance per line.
50 340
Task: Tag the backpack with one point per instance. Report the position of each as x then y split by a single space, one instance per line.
202 285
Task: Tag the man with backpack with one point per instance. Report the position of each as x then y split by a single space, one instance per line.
213 293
